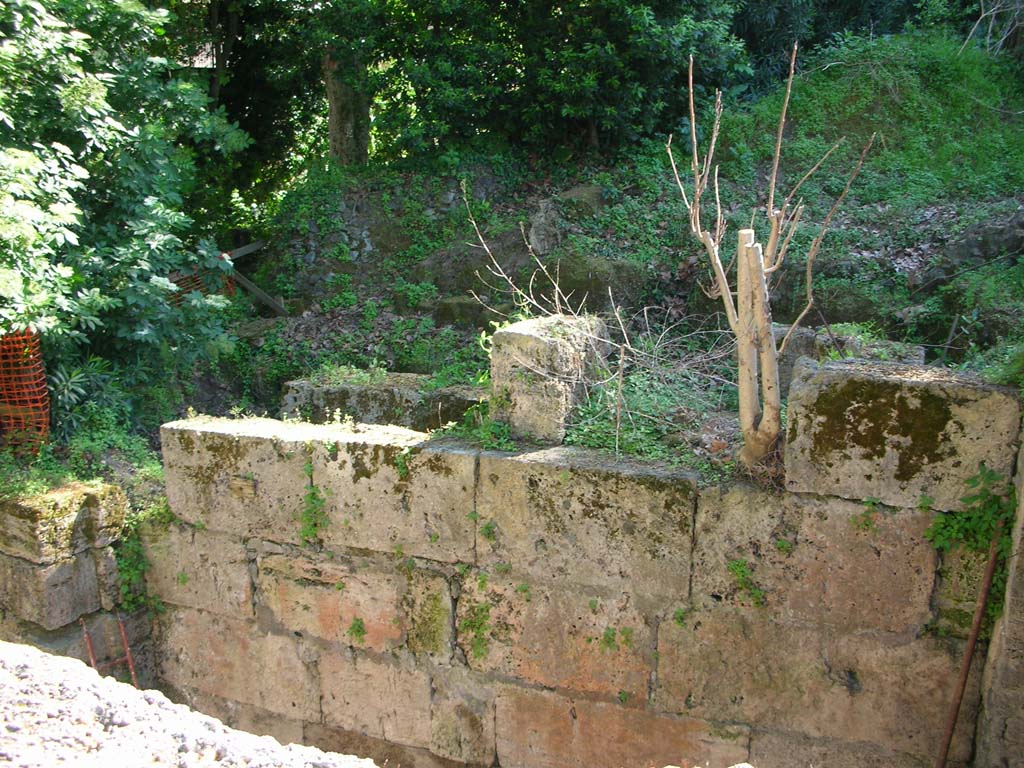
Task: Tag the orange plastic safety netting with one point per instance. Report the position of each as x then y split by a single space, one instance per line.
24 399
199 281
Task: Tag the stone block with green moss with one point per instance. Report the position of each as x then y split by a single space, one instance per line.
905 435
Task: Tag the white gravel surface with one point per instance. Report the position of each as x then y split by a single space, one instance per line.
58 711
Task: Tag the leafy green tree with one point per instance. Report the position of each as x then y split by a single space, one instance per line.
100 147
603 72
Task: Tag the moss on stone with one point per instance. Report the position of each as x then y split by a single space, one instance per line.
869 415
429 622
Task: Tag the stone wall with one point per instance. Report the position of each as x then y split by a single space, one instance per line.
558 608
57 572
1001 729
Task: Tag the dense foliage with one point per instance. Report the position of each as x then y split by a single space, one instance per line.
130 136
101 146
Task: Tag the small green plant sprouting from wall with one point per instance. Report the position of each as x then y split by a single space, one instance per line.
626 636
524 590
993 499
132 564
131 572
623 697
314 511
744 578
404 564
479 428
679 616
593 604
402 463
502 569
785 546
357 631
181 578
608 641
477 624
865 521
489 530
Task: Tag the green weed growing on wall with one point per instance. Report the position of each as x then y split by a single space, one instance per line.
314 513
991 502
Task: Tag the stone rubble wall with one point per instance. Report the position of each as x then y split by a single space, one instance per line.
57 570
556 607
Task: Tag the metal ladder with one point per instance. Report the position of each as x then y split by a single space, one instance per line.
126 659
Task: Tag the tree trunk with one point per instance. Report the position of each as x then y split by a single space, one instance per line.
348 117
760 411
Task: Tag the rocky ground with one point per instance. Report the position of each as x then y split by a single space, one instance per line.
58 711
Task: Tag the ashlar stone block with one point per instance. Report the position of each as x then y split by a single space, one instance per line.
739 665
381 699
198 569
896 433
238 661
388 490
355 602
245 477
54 595
774 749
462 717
63 522
558 638
538 729
383 754
539 369
848 566
572 516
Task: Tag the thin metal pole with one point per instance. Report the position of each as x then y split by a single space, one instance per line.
88 644
127 650
972 640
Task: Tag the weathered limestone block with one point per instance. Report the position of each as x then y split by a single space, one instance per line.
738 665
824 561
235 660
896 433
462 717
1001 726
63 522
382 753
198 569
244 717
388 490
57 594
245 477
573 516
956 593
538 371
538 729
786 750
403 399
556 638
355 602
381 699
391 400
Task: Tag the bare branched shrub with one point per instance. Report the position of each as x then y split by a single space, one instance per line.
649 353
747 306
999 26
